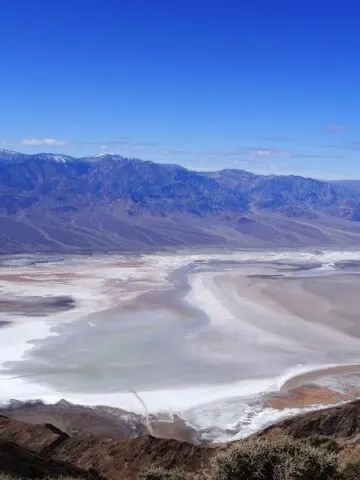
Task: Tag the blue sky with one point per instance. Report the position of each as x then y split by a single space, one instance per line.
269 86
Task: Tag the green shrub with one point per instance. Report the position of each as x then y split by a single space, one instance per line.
278 459
158 473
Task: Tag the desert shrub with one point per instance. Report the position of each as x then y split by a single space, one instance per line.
351 471
158 473
277 459
323 441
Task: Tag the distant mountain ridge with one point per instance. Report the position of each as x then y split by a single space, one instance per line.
106 202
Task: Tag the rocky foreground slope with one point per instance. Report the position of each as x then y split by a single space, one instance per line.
40 450
51 202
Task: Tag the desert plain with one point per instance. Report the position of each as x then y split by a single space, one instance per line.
202 345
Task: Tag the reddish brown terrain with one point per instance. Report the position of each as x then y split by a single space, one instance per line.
36 451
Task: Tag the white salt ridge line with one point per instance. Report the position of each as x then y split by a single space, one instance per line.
203 295
214 301
179 258
325 257
249 421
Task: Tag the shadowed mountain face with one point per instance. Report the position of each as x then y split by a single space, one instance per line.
56 202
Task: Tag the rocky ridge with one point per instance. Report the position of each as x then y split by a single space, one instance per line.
40 450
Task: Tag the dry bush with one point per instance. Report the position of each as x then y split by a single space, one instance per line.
351 470
158 473
323 441
277 459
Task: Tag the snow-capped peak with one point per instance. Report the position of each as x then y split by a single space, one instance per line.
59 158
8 152
103 154
54 156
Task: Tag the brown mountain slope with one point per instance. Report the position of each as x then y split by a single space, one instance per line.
22 463
35 450
342 422
113 459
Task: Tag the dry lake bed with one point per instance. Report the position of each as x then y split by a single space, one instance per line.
226 341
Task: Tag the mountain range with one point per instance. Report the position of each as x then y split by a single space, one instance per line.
52 202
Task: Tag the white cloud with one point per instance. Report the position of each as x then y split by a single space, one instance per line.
265 152
35 142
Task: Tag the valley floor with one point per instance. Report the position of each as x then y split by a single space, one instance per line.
199 346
